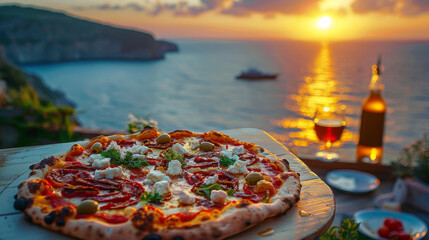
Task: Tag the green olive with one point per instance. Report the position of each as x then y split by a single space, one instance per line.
87 207
253 178
207 146
163 138
96 148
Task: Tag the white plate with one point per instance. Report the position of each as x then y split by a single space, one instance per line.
352 181
372 219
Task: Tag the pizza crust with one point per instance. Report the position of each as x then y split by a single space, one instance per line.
231 222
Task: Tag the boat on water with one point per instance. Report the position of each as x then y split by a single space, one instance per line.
255 74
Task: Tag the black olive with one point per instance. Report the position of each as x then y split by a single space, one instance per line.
152 237
20 204
60 222
50 218
28 218
32 166
66 211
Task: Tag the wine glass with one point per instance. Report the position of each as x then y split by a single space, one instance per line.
329 123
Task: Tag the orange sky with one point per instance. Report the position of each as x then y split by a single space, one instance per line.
263 19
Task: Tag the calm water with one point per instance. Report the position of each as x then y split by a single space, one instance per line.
195 89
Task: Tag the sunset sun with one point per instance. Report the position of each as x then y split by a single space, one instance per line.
324 22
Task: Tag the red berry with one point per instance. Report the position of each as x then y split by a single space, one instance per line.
393 235
393 224
387 221
404 236
384 232
396 225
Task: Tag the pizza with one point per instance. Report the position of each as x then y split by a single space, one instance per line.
152 185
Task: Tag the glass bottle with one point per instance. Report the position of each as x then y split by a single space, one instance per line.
370 146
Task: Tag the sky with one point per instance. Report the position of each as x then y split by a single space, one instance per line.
257 19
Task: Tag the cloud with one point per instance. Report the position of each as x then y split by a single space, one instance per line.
267 8
112 7
272 7
183 8
400 7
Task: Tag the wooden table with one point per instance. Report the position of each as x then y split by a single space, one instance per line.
316 197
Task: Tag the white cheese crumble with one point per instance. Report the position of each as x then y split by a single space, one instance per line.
225 152
109 173
238 150
156 176
238 167
139 156
138 149
174 168
113 145
178 148
218 196
161 187
195 144
94 157
101 163
185 198
212 180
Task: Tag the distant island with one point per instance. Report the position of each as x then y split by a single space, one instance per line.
34 35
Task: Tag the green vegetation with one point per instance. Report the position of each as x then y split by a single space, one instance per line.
128 161
172 155
40 120
226 161
207 189
151 198
136 124
414 161
347 231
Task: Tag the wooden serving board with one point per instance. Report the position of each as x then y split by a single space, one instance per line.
316 197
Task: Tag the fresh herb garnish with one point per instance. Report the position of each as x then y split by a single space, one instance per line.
347 230
206 190
112 154
151 198
128 161
172 155
226 161
230 192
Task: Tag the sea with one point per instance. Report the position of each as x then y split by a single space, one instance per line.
196 89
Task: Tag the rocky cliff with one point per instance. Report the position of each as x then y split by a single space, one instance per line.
33 35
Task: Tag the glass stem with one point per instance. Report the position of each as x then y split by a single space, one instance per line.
328 145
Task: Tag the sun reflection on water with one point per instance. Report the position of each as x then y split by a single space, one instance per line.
319 88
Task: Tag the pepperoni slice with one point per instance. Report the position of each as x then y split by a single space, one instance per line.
69 192
115 218
251 197
208 154
118 197
129 188
208 204
192 179
203 159
60 177
125 142
101 184
213 164
57 201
